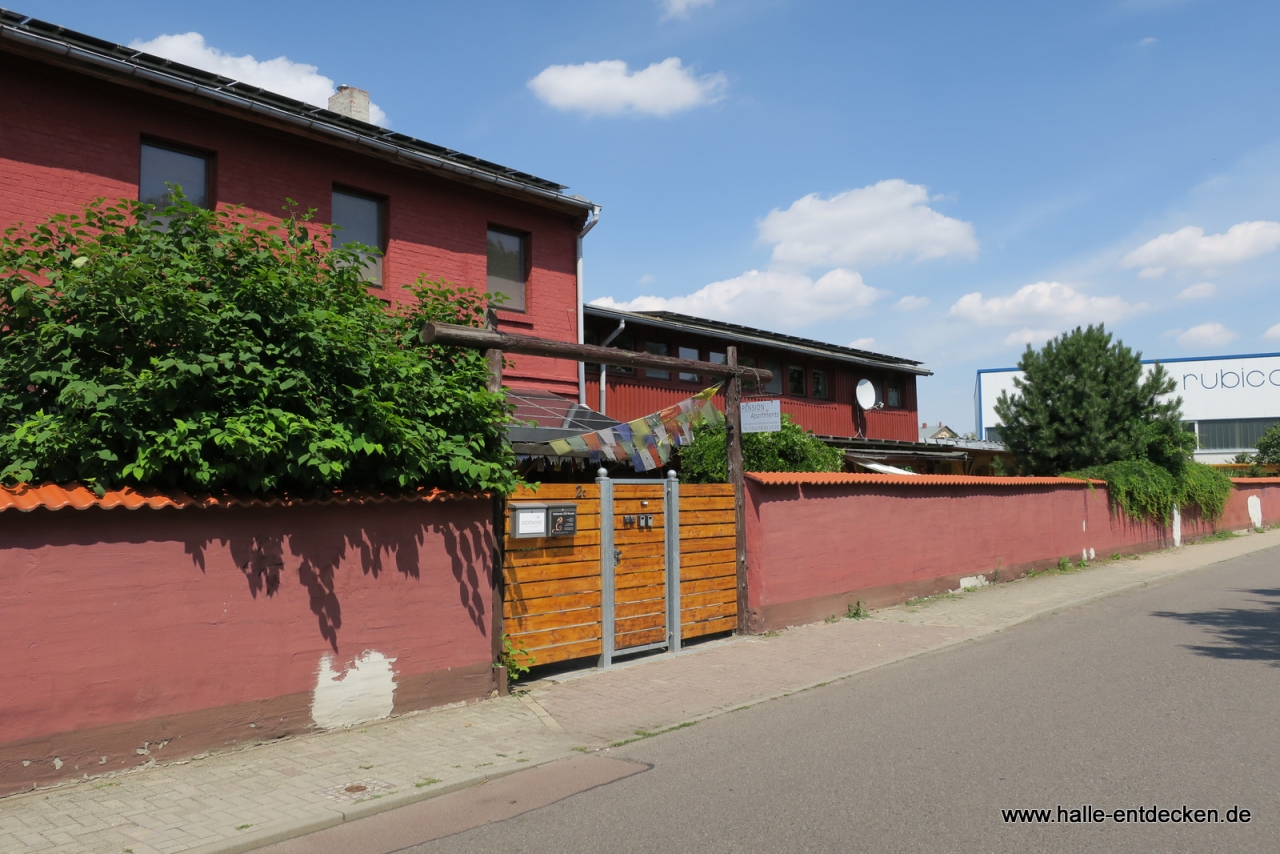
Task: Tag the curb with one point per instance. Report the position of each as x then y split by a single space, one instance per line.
305 827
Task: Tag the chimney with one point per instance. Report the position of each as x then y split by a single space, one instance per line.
351 102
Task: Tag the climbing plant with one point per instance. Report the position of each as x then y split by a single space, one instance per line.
216 349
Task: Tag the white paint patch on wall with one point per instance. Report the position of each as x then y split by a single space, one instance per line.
363 692
1255 511
1177 527
973 582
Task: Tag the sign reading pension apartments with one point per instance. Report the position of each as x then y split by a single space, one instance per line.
761 416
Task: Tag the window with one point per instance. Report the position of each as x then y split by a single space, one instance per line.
820 388
508 266
1236 434
689 353
993 434
892 393
164 170
622 342
359 219
795 380
773 386
749 384
657 348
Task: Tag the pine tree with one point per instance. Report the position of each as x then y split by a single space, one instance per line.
1083 401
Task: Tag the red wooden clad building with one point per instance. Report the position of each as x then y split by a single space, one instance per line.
814 381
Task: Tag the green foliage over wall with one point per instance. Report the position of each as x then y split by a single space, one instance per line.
790 449
1144 490
206 350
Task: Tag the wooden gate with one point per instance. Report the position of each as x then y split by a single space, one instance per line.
609 589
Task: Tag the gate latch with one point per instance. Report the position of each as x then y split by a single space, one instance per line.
617 556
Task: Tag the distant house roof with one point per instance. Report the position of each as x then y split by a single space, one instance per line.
734 333
937 431
142 70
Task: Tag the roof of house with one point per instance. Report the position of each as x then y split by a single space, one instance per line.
735 333
127 65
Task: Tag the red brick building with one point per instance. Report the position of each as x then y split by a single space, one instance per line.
814 381
97 119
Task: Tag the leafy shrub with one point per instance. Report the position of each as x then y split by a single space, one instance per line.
1144 490
790 449
1269 446
205 350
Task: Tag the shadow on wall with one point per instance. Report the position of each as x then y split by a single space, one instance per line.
320 540
1244 634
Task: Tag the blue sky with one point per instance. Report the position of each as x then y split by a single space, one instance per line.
936 180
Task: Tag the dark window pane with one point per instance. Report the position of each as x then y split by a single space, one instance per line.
893 394
657 349
508 266
795 380
622 342
773 386
1237 434
748 384
359 220
820 389
164 166
689 353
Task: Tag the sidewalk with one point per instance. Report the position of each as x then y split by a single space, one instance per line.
243 799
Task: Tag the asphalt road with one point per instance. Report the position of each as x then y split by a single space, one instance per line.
1167 696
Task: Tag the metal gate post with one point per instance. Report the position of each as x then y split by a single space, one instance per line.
608 562
672 513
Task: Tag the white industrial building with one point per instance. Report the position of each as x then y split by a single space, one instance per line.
1229 401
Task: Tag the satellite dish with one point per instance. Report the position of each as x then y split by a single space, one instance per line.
866 394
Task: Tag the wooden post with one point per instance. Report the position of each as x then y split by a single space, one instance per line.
733 437
493 357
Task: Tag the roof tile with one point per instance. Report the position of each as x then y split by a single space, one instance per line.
48 496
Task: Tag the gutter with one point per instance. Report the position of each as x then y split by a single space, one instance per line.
594 217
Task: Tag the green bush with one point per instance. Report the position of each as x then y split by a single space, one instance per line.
790 449
1269 447
206 350
1144 490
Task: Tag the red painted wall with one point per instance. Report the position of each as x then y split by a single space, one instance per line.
629 397
77 138
129 629
813 549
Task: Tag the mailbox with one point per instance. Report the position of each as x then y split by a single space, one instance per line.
528 520
562 520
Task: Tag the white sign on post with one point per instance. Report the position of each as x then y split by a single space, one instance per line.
761 416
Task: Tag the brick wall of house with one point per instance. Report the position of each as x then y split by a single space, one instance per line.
75 138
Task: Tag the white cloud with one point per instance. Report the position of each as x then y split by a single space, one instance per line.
1191 247
884 222
1149 40
280 75
766 298
1206 335
1203 290
1273 333
682 8
610 88
911 303
862 343
646 279
1026 336
1042 302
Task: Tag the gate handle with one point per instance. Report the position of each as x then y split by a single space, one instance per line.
617 556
